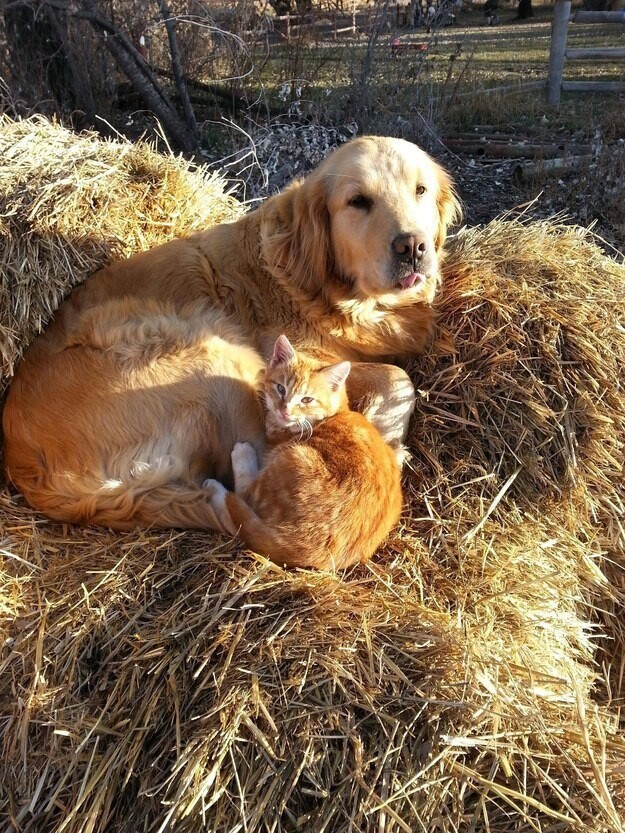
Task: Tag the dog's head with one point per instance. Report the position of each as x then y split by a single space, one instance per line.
371 221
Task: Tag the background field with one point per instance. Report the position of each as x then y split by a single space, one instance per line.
271 94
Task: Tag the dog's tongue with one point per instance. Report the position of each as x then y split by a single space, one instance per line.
410 280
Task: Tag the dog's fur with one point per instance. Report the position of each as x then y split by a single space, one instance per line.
146 378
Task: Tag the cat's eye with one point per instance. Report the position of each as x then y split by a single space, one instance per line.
306 400
281 389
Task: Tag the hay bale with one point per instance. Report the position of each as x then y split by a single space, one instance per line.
69 205
168 682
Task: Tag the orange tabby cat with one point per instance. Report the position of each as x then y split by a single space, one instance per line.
329 492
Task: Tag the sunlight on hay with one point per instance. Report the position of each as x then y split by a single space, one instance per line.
468 679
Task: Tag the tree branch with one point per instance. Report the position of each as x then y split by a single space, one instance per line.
135 68
176 65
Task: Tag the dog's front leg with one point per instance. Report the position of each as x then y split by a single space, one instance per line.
385 395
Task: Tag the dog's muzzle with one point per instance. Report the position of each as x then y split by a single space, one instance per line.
413 260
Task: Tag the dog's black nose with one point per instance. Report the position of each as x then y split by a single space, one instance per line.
410 247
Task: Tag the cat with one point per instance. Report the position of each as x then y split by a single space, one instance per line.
329 491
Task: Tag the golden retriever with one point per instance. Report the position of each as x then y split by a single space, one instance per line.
145 380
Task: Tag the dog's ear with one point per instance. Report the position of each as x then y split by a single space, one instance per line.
448 205
296 238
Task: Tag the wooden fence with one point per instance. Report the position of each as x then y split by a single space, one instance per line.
559 53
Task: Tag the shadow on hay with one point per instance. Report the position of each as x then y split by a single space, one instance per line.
34 281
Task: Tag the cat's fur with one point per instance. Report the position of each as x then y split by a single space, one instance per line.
329 491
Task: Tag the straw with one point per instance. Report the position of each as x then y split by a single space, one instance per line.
468 679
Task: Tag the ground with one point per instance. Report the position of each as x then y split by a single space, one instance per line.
345 83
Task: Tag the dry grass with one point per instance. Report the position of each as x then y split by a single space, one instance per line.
469 679
68 207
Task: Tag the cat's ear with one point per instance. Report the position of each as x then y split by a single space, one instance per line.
283 353
336 374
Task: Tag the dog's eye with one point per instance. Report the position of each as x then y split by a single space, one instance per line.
306 400
281 389
361 202
421 189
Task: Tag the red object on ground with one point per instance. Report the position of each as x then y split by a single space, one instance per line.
398 45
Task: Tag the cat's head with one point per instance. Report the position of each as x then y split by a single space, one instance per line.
300 392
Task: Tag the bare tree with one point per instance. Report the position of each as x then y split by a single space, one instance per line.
43 25
177 69
36 38
524 10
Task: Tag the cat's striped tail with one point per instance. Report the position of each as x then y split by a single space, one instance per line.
269 542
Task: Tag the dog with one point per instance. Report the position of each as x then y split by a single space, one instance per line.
147 376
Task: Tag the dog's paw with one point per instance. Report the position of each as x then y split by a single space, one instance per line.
402 455
244 460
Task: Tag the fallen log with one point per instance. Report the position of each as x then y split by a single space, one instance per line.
502 149
548 167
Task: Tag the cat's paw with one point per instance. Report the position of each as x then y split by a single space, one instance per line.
214 487
216 493
244 460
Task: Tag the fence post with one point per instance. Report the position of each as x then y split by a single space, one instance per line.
559 25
